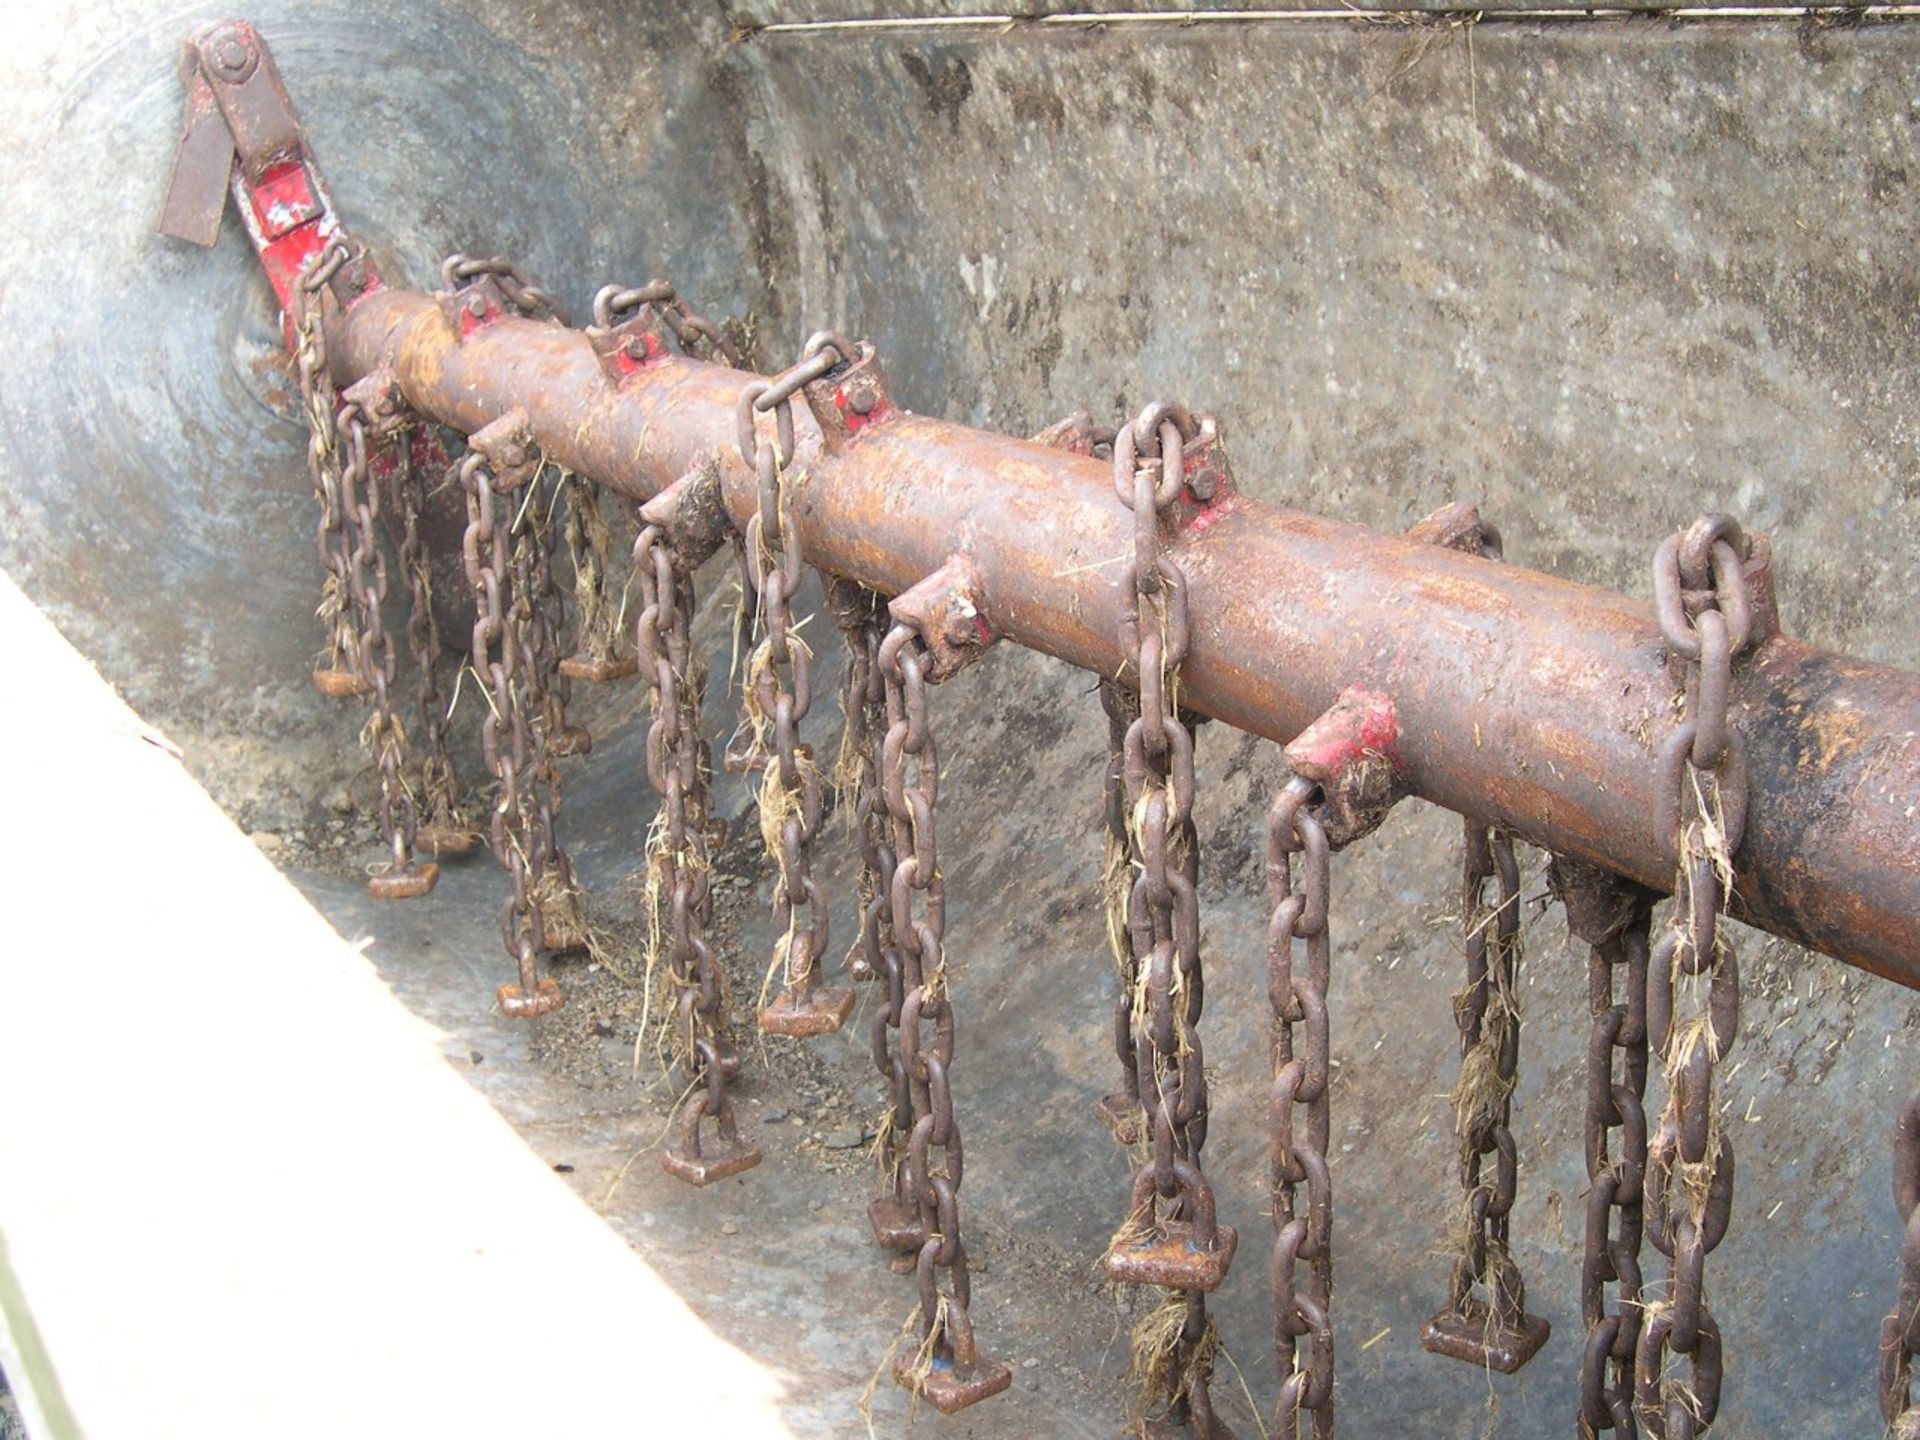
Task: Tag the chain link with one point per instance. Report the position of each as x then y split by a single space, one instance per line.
778 694
1615 918
448 828
947 1366
457 271
861 617
547 911
697 337
535 618
1484 1320
1121 1111
341 433
545 618
1300 1101
1487 1012
1693 978
1171 1237
342 672
367 583
681 861
513 750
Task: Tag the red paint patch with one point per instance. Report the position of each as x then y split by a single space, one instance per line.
284 200
1361 725
625 364
857 422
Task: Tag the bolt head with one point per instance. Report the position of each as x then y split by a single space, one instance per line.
476 307
231 56
862 401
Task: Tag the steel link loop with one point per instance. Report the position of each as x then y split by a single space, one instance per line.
342 671
778 694
448 828
1299 1114
680 860
1172 1205
355 593
947 1364
1693 995
550 915
1616 1158
1122 1110
368 585
543 612
536 615
861 617
1487 1013
521 293
693 333
875 955
514 752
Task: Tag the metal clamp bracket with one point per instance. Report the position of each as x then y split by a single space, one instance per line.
948 609
850 399
1350 752
508 447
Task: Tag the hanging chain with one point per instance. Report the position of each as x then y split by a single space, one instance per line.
861 617
869 705
680 861
551 914
1120 1111
1171 1237
494 476
947 1368
778 694
1693 982
535 623
1900 1331
448 828
341 672
341 431
1484 1321
1491 1329
367 576
1297 996
1615 918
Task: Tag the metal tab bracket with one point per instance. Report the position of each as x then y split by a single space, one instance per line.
852 398
624 338
239 131
948 609
1350 752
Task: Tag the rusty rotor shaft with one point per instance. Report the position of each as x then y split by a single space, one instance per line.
1522 699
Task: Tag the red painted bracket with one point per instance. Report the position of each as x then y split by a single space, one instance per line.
1352 752
851 399
239 133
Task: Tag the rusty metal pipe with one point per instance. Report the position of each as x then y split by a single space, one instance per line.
1522 698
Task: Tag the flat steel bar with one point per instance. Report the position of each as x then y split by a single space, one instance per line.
1522 698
